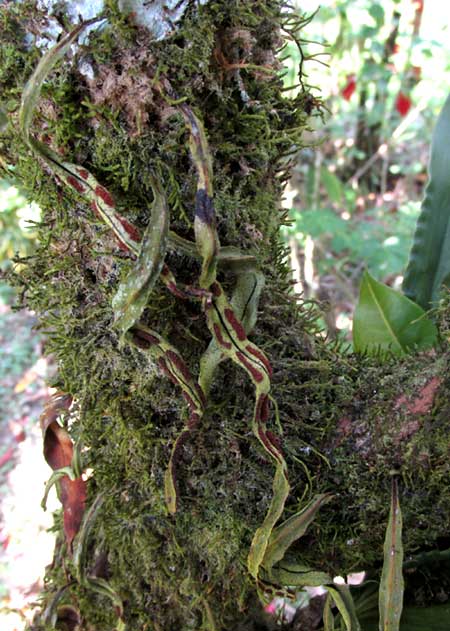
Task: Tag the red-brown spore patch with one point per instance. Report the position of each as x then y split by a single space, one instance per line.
150 339
275 440
254 372
131 230
83 173
76 184
219 337
104 195
237 326
267 444
189 400
179 364
253 350
262 409
200 394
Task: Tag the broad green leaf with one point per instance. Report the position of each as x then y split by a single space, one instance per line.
346 607
386 320
391 584
290 574
292 529
429 262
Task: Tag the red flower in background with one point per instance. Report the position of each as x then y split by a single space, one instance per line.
402 104
418 5
349 88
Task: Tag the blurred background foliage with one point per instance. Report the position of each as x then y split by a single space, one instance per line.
381 69
18 220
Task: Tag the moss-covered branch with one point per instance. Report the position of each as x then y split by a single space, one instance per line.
342 422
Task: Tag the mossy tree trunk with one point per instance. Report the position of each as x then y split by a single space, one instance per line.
343 422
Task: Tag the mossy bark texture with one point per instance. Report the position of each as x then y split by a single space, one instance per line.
344 423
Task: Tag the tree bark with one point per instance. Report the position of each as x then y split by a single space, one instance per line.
343 422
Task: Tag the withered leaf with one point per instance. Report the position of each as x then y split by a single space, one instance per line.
58 453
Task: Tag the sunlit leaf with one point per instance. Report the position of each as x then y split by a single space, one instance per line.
429 263
292 529
391 584
386 320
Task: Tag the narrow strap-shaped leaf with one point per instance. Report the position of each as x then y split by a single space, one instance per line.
133 293
32 90
386 320
172 366
280 492
328 618
244 302
391 584
80 552
231 338
344 602
56 475
80 558
292 529
79 179
205 219
429 263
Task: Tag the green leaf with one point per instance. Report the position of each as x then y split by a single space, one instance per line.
328 618
429 262
344 602
291 574
386 320
376 11
133 293
292 529
280 487
391 584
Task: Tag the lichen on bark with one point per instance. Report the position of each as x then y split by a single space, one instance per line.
344 422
